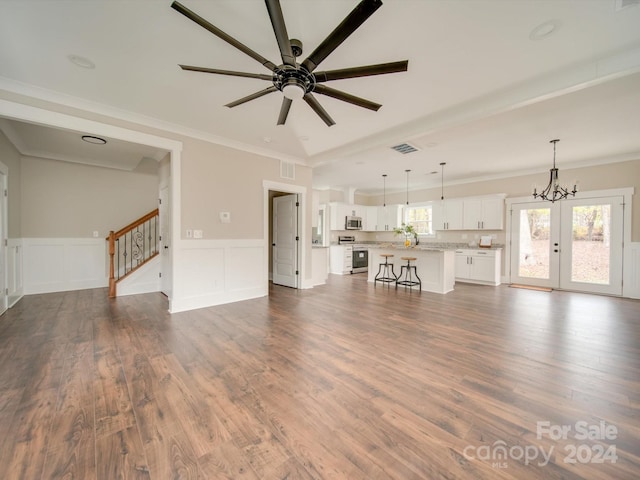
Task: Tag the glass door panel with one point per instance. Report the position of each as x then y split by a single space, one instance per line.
592 245
533 258
534 243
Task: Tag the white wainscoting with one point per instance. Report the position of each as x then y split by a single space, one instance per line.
62 264
145 279
631 280
213 272
15 283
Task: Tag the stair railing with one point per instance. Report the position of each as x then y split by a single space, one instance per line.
131 247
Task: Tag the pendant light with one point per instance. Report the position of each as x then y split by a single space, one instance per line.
384 189
407 171
442 164
554 191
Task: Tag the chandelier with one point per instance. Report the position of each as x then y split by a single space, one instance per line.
554 191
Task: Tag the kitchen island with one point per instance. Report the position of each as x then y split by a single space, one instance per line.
435 266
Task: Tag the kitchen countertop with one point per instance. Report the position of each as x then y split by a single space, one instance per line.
437 247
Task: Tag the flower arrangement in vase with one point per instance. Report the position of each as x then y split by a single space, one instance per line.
408 231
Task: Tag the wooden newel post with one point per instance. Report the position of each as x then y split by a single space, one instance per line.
112 277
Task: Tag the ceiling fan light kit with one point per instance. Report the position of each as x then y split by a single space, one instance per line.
298 80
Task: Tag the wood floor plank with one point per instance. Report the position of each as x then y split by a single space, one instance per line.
121 456
25 448
71 449
343 381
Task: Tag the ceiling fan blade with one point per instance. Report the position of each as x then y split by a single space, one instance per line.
366 71
349 25
284 110
253 96
346 97
322 113
222 35
259 76
280 29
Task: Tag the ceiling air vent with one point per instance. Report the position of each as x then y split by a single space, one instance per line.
287 170
404 148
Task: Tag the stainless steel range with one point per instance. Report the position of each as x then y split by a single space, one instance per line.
360 261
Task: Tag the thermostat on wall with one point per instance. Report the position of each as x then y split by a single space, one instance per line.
225 217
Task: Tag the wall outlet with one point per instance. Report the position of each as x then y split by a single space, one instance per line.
189 233
197 234
95 234
225 217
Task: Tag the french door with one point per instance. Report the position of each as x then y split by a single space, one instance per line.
570 244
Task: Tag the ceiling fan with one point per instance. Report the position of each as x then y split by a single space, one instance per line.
299 80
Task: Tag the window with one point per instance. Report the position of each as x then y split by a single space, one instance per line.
421 217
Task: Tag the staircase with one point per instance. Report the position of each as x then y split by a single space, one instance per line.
131 247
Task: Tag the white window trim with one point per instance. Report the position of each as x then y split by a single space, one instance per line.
420 205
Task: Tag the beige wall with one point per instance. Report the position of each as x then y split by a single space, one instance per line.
67 200
220 179
11 158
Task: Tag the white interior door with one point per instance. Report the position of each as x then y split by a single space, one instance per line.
571 244
285 240
165 242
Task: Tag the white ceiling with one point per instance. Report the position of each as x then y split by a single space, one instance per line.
479 94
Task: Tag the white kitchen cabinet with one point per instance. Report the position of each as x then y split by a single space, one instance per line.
341 259
448 214
389 217
370 219
339 211
483 213
478 266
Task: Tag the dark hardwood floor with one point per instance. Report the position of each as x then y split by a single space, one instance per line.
344 381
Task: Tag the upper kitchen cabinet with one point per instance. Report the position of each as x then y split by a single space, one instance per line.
388 217
374 218
339 212
370 219
448 214
484 213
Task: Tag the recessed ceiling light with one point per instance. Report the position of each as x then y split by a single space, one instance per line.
544 30
94 140
83 62
266 139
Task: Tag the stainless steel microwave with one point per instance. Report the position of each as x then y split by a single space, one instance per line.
353 223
